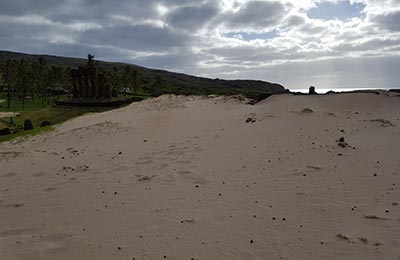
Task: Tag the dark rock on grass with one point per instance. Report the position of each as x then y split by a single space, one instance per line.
28 125
5 131
45 123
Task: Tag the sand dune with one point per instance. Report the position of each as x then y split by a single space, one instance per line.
292 177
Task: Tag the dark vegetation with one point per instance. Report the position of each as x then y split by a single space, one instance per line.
174 83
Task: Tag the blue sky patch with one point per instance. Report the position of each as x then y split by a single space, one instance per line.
342 10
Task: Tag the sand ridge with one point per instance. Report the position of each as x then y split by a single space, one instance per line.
209 178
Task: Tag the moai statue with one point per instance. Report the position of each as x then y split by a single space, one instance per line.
91 82
75 82
114 92
80 82
106 86
86 86
100 85
92 79
311 91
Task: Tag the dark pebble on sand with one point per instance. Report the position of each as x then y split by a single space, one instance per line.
251 241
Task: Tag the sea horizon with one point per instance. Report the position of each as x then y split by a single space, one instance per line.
325 90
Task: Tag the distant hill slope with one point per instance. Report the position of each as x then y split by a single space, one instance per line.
173 82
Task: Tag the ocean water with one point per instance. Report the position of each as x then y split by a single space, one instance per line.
325 90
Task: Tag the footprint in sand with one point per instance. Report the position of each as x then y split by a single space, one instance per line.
13 205
50 189
145 178
11 174
17 232
192 177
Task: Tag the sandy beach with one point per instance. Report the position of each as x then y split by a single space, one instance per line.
175 177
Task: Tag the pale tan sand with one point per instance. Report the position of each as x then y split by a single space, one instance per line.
188 178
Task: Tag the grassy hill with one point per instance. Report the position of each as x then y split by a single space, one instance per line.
172 82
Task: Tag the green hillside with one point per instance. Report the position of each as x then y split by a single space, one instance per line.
172 82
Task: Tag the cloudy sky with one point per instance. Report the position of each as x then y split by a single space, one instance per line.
326 43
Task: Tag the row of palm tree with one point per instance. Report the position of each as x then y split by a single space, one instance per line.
33 80
23 79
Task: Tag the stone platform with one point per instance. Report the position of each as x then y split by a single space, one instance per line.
102 102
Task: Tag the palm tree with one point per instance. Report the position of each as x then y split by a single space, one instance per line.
23 78
126 78
41 77
8 73
115 80
135 82
90 60
156 87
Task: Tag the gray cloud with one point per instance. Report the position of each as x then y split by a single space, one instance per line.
256 15
136 37
197 37
389 21
22 7
192 17
294 20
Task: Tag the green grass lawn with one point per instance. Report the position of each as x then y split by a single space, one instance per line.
54 115
30 104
